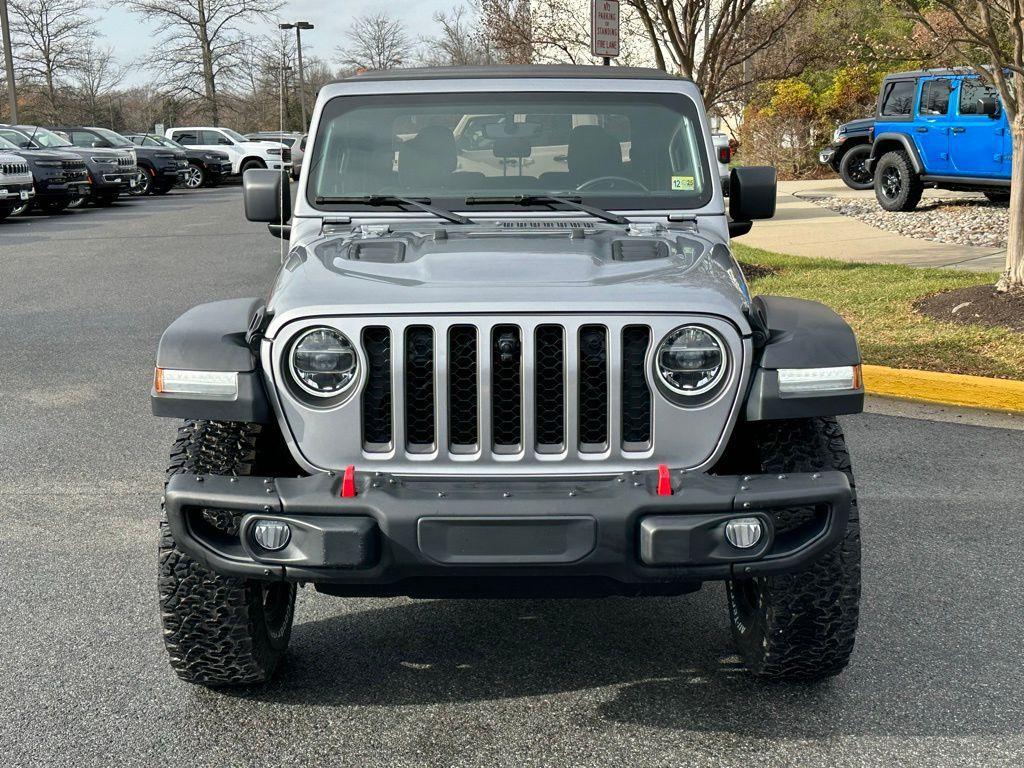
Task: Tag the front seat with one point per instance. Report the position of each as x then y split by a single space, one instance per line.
428 161
593 153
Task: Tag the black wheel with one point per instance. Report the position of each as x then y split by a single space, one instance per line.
998 196
800 626
853 167
220 630
251 163
195 176
897 186
53 206
78 202
20 209
143 185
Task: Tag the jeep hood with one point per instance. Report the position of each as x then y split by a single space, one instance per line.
455 270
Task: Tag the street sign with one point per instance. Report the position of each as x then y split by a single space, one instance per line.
604 28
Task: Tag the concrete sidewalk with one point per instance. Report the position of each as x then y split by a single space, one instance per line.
803 228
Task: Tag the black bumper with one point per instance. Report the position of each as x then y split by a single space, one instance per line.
426 538
52 189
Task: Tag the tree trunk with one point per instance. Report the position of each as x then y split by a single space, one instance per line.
207 53
1013 277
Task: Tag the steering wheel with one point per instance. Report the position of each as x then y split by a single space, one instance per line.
586 186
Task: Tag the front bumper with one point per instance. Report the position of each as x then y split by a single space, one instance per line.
16 193
446 537
827 156
109 181
61 188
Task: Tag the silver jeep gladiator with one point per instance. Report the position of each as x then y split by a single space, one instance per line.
508 353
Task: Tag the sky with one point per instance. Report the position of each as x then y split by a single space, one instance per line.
131 39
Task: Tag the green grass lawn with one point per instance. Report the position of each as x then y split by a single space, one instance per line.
877 300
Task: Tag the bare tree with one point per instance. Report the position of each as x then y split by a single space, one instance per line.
99 74
461 42
49 38
376 41
199 44
990 35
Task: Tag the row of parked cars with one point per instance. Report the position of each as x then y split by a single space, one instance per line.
938 128
52 168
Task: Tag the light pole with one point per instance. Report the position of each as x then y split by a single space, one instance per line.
298 26
9 61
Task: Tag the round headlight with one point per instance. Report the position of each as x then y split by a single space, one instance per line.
323 362
691 360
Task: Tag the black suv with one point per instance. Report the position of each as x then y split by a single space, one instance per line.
849 151
206 167
111 171
60 177
160 168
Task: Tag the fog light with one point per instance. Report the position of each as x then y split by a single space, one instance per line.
743 532
272 535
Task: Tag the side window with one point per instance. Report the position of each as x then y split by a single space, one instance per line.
898 98
935 97
215 137
81 139
971 91
188 138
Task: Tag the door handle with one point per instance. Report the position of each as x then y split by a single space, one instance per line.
959 130
921 129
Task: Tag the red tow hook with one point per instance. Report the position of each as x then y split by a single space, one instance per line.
664 481
348 482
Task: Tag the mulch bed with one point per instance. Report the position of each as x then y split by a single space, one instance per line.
756 271
978 304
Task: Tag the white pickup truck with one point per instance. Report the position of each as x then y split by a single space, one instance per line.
244 154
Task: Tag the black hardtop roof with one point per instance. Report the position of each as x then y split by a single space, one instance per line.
517 71
936 72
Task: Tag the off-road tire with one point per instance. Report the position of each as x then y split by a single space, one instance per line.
897 185
221 630
998 196
800 627
251 163
852 168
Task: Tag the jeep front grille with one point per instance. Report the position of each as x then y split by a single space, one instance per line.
466 389
13 169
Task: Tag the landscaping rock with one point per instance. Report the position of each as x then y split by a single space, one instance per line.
957 221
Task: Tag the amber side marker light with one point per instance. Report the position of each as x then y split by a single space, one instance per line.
174 381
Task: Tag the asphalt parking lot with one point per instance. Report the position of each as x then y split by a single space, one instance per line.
936 679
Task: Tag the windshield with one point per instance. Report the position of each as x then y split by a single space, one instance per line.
115 139
614 150
45 138
5 144
150 140
233 134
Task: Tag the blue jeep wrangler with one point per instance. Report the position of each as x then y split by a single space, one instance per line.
940 128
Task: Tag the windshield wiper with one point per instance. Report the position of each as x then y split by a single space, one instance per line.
422 203
572 202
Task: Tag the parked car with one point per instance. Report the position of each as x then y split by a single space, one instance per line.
244 154
59 177
206 168
15 182
849 151
295 141
552 383
723 155
942 128
160 169
111 171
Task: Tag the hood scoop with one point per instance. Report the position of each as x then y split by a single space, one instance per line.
378 251
639 249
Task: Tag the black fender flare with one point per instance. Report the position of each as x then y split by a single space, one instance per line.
884 143
800 334
215 337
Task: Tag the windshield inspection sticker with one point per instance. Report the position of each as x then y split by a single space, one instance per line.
682 184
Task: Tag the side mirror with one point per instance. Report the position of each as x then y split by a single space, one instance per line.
267 196
987 105
752 194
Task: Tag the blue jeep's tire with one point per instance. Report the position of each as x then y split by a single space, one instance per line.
800 627
897 185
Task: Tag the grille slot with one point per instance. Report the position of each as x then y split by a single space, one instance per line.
463 405
419 388
506 387
593 389
377 425
636 394
549 397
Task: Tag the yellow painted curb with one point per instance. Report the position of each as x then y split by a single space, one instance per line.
948 388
